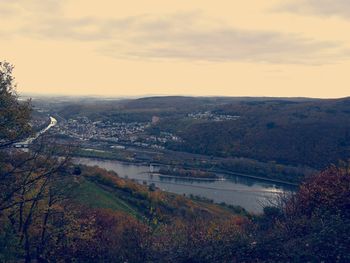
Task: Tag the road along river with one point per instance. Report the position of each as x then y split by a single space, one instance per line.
28 141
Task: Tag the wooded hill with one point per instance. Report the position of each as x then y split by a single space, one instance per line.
315 133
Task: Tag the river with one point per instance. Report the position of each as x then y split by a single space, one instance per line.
29 140
251 194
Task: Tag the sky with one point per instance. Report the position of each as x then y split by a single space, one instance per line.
281 48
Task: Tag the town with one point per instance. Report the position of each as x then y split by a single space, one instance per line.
121 134
208 115
118 134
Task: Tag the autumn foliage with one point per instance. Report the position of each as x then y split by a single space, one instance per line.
313 224
328 191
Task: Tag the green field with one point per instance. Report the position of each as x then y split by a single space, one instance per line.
96 196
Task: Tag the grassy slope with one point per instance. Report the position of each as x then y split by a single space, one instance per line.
95 196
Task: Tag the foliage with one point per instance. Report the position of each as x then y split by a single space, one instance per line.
312 133
312 225
14 115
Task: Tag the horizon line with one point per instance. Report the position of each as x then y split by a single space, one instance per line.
35 94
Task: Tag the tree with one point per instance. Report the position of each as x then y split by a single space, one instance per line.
14 115
312 225
33 185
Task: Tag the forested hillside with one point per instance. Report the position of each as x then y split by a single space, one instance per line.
310 133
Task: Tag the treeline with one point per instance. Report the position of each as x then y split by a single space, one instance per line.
178 172
138 110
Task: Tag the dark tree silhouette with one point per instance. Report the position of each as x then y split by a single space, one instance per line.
14 115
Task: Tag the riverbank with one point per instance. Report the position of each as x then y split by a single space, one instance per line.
252 194
165 162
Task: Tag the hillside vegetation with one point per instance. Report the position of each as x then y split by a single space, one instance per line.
87 214
313 133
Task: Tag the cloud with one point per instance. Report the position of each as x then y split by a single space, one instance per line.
318 7
183 36
6 11
32 6
228 44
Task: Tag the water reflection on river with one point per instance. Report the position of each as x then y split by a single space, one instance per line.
249 193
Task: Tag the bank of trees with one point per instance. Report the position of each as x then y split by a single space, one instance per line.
313 133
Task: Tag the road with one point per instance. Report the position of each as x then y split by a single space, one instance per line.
30 140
